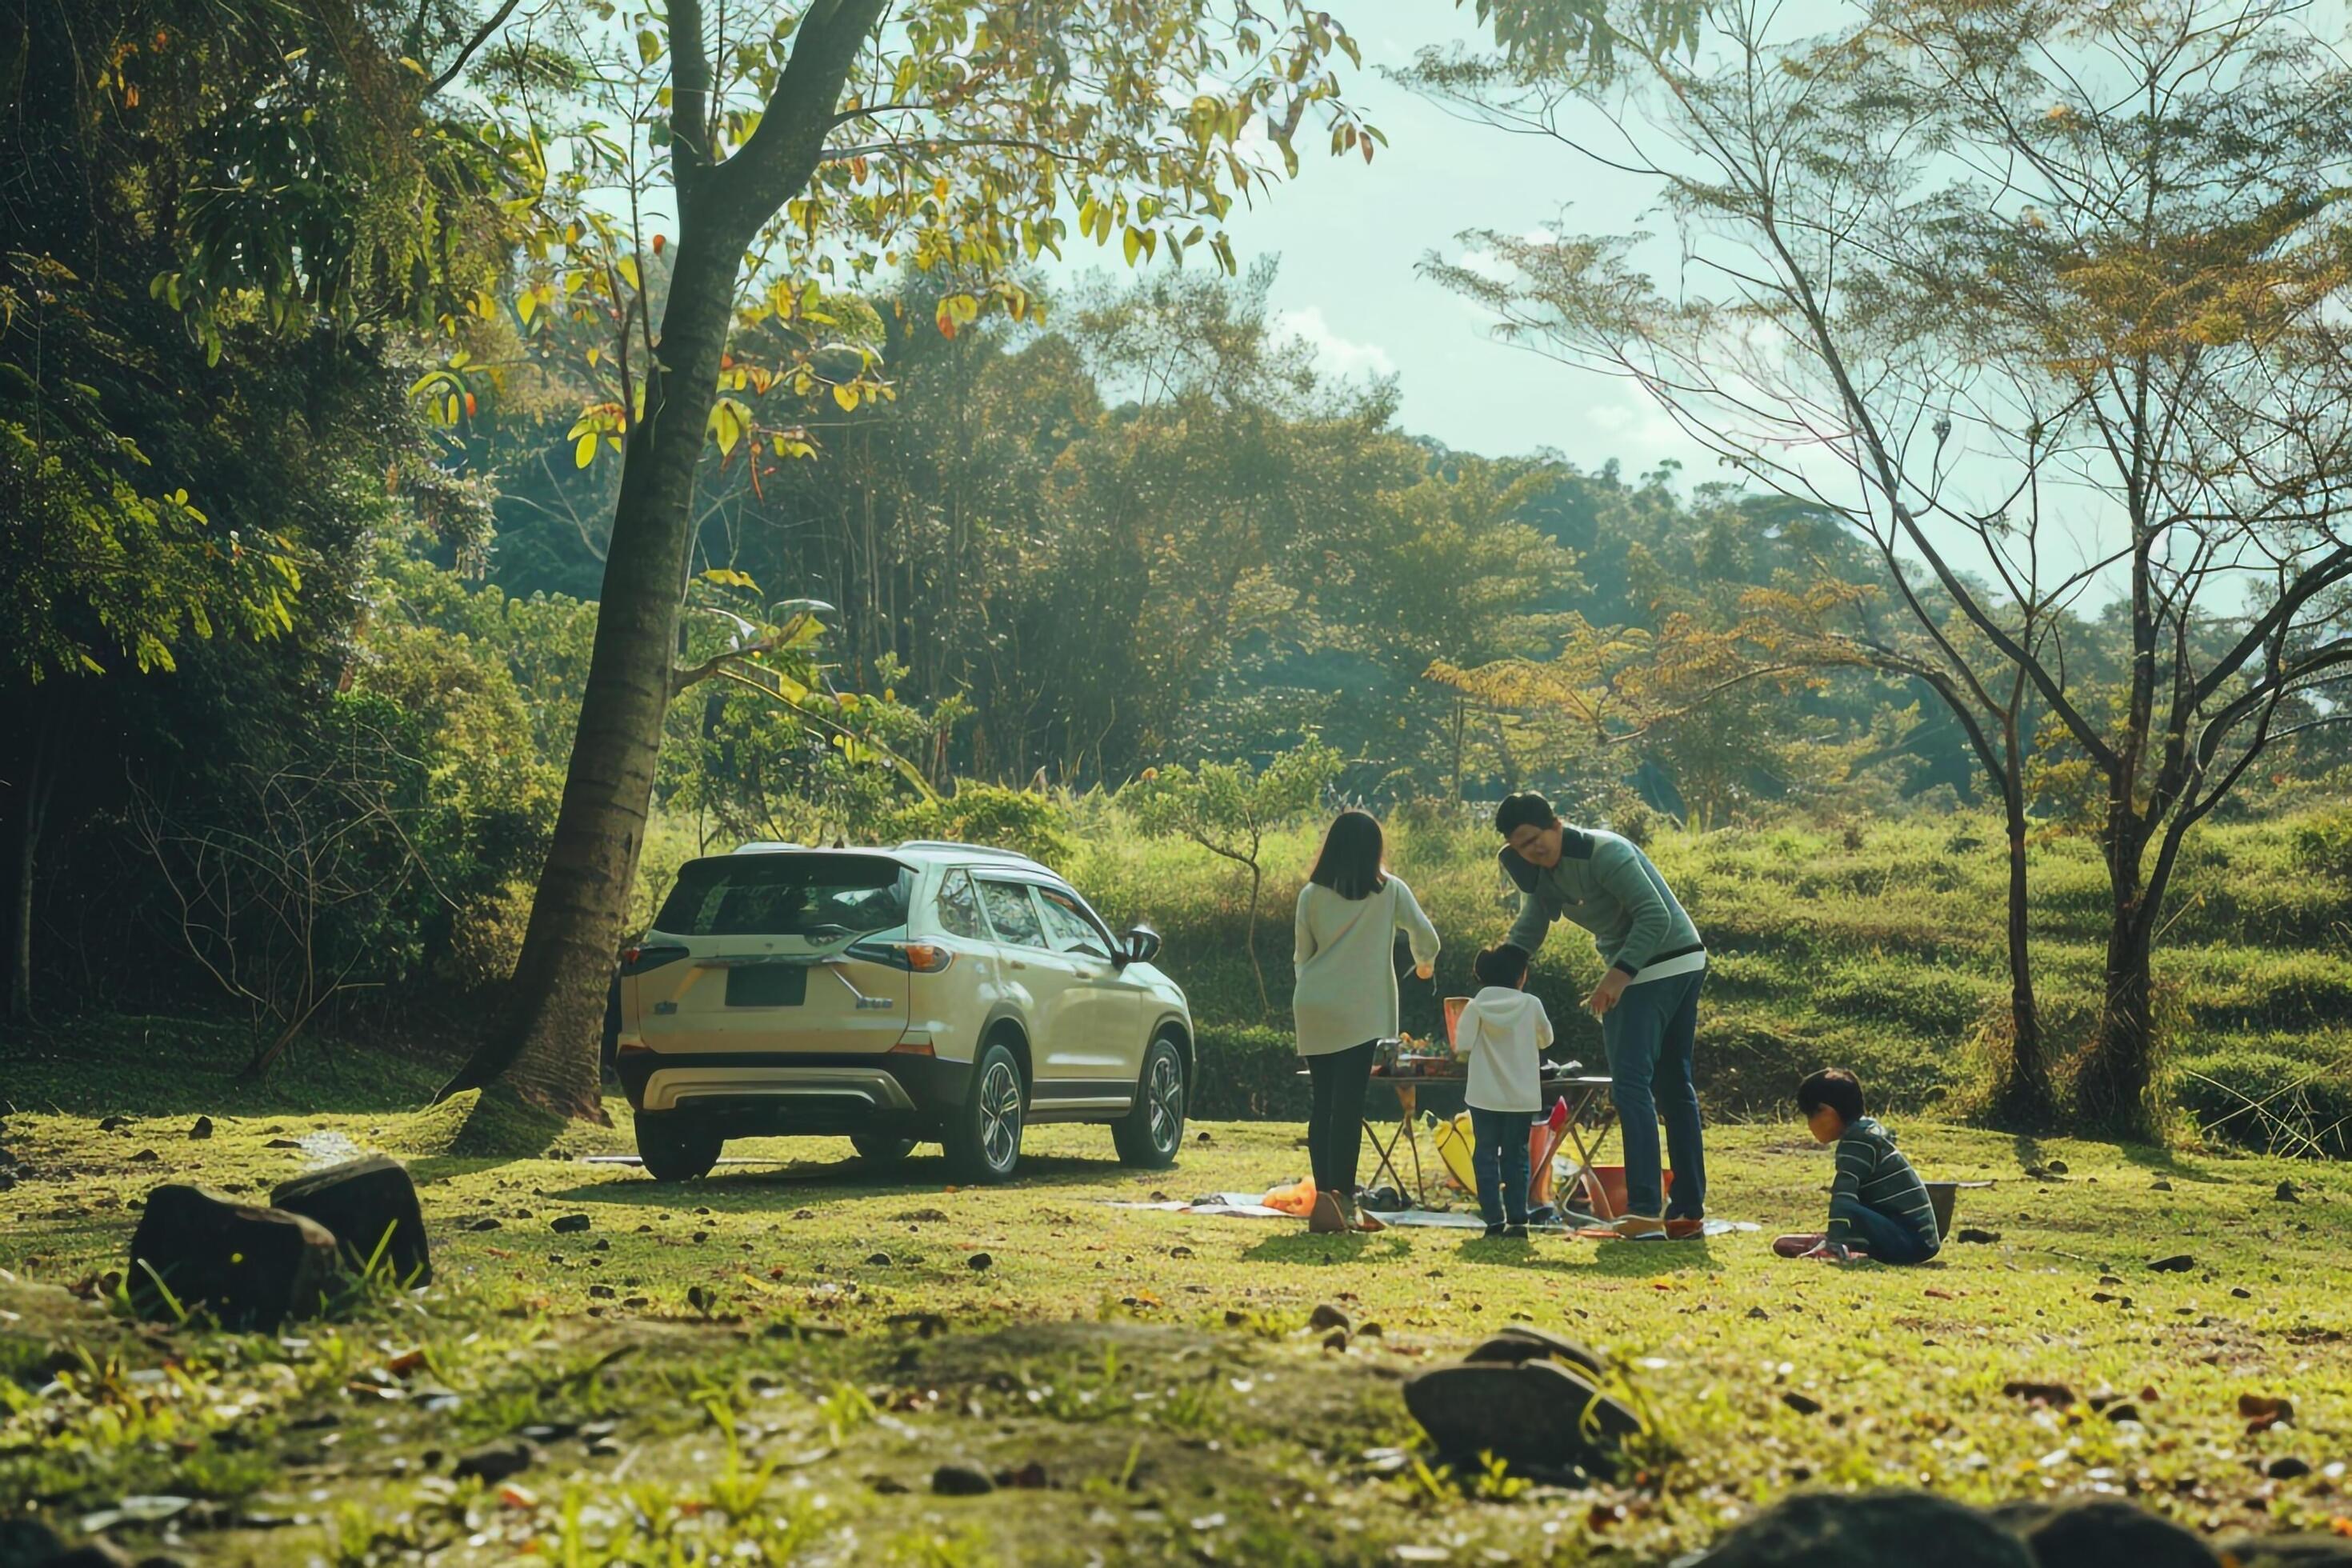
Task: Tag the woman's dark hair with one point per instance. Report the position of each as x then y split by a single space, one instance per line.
1835 1087
1349 863
1524 809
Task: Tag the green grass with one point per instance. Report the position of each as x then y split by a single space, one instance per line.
771 1388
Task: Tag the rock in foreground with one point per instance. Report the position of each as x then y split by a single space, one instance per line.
251 1268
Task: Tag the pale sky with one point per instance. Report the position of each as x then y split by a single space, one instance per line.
1349 236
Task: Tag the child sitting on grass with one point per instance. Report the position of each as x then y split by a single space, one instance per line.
1504 1031
1878 1204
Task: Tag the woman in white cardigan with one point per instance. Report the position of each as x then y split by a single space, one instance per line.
1346 1001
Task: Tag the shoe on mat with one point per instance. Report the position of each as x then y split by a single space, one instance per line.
1516 1229
1494 1230
1364 1221
1640 1227
1327 1219
1685 1229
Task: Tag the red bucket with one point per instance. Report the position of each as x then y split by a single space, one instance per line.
1604 1190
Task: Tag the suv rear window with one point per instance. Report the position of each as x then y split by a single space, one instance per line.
821 897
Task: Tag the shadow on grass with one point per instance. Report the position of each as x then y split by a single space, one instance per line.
150 1065
2164 1162
1345 1246
754 1187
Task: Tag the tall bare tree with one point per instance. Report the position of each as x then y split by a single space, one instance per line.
2049 299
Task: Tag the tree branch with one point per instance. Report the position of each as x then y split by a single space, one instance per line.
497 20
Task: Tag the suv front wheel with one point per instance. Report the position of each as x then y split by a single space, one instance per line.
982 1137
1149 1135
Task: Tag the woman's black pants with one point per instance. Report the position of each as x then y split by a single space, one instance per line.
1335 1126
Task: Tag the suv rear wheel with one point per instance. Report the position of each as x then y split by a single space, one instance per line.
983 1135
876 1149
675 1150
1149 1135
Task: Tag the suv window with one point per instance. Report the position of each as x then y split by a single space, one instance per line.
1010 912
959 908
1066 926
821 897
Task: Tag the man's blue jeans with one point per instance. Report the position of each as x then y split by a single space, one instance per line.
1649 1036
1888 1240
1498 1157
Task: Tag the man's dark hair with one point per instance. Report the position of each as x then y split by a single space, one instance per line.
1501 964
1349 862
1524 809
1835 1087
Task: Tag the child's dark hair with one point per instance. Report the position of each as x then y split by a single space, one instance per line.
1524 809
1349 862
1501 964
1835 1087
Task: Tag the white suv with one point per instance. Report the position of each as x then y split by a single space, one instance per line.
927 991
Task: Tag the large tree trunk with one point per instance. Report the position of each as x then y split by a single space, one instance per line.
546 1050
33 792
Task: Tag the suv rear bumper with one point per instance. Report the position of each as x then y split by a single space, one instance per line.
749 1094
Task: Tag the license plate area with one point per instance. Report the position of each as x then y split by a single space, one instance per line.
767 986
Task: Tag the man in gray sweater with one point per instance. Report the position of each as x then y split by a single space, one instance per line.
1647 1001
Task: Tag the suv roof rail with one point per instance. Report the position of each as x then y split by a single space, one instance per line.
983 849
757 845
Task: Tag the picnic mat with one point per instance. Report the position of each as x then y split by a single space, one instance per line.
1245 1205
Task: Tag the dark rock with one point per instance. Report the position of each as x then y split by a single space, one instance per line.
1337 1339
878 1260
1524 1341
202 1128
96 1553
1831 1529
961 1480
2287 1192
2240 1292
2056 1167
2105 1533
27 1543
980 1263
569 1224
144 1157
113 1123
496 1464
1803 1403
1976 1238
890 1486
483 1222
2305 1550
1030 1477
1532 1414
371 1206
252 1267
2180 1263
1327 1316
2126 1412
2287 1467
283 1144
2057 1395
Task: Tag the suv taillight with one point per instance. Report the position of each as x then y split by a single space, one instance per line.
915 957
637 960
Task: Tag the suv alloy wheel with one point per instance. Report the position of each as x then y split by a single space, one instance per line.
1149 1135
983 1138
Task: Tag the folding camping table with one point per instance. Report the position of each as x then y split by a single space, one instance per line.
1589 1112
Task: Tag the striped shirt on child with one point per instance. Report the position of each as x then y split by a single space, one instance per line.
1872 1170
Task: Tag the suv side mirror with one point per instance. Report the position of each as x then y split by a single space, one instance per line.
1140 945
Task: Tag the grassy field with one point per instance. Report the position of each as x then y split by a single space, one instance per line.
773 1362
1878 946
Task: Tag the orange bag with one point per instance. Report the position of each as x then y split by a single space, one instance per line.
1299 1199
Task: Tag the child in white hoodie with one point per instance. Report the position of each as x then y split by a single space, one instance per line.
1504 1031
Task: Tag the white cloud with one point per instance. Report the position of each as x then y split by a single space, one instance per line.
1485 264
1339 356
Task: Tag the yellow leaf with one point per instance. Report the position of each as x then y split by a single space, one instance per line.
585 453
1134 245
527 305
627 268
845 394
